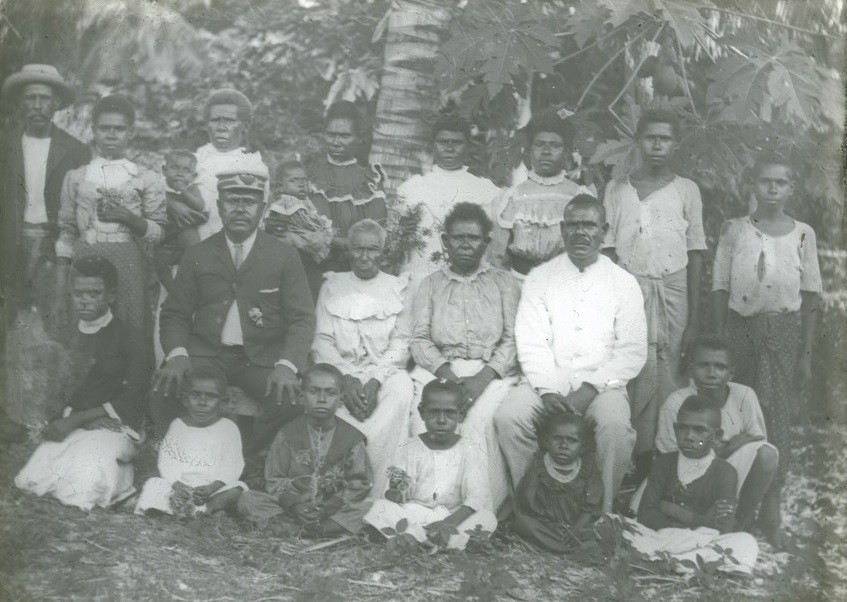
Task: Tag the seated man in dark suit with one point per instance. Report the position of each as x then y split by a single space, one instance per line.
240 304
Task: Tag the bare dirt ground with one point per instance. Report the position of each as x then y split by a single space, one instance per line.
51 552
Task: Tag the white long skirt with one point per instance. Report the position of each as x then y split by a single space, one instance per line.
687 544
385 513
87 469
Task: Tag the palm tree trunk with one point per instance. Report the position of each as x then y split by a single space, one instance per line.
408 92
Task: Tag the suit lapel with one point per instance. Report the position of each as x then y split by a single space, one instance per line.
255 253
222 252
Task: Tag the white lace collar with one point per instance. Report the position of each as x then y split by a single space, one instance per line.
448 172
95 325
332 161
691 469
547 181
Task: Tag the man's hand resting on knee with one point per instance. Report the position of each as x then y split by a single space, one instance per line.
575 402
169 378
283 385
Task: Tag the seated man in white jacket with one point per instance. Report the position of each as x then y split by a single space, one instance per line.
581 335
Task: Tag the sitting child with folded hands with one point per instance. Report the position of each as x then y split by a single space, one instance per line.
688 507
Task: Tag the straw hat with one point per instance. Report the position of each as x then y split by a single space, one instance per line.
38 74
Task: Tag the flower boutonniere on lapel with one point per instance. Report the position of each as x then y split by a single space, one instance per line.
255 314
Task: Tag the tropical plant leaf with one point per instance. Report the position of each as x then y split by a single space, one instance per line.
620 11
687 22
788 79
621 154
499 47
587 21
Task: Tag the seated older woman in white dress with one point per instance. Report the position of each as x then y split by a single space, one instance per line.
364 328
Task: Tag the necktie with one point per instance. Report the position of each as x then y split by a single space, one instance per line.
239 255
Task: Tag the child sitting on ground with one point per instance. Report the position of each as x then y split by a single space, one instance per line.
433 484
185 210
294 219
85 460
744 444
561 494
317 473
200 458
688 506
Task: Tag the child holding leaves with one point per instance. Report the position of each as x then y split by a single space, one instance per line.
688 507
434 486
561 494
317 474
200 459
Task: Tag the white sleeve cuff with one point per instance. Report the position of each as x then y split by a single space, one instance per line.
64 248
176 352
543 391
287 364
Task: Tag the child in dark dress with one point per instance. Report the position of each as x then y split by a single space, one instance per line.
85 460
561 494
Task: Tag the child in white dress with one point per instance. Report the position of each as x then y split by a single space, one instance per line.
433 485
200 459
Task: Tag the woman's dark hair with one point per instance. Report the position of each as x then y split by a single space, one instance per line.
549 121
468 212
229 96
452 123
113 104
97 267
344 109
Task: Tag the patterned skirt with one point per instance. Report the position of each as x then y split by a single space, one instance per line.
766 350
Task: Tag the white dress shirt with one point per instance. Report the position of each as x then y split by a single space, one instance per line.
231 333
575 327
35 151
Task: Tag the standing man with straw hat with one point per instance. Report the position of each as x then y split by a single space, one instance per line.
33 162
34 158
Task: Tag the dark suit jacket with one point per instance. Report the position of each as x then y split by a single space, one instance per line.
66 153
271 280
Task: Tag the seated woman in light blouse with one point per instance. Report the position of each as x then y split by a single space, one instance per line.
363 328
464 318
